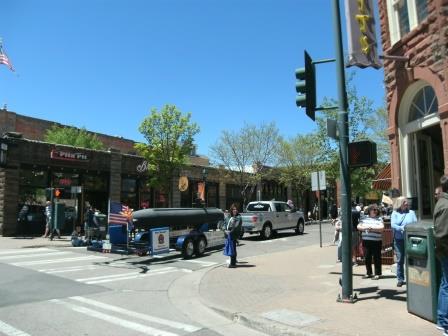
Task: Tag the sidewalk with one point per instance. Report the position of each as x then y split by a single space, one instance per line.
32 242
295 292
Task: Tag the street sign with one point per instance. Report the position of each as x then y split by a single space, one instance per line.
318 181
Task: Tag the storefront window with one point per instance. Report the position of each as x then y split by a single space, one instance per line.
93 182
129 192
145 194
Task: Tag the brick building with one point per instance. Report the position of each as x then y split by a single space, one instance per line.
415 45
28 166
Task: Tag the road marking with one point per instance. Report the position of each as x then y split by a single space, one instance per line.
68 269
135 276
122 311
116 320
25 251
201 262
55 261
37 255
9 330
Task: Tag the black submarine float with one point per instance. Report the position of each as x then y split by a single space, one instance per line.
192 230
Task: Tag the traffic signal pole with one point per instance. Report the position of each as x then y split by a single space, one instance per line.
343 127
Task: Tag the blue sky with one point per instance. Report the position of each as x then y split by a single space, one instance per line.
103 64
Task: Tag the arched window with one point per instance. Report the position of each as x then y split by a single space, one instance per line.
423 104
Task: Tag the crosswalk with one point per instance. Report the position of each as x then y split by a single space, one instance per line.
91 269
97 269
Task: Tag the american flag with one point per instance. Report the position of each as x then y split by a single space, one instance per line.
4 59
118 213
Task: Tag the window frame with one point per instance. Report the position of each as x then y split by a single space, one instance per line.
394 22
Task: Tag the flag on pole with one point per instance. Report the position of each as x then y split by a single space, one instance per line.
4 58
118 214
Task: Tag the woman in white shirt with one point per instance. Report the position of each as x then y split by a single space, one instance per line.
371 228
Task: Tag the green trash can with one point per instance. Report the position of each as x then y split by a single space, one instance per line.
422 271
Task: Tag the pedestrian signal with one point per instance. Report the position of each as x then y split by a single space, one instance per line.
57 192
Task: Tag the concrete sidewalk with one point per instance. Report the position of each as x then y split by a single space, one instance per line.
295 292
30 242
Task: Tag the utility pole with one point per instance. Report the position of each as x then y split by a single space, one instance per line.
347 271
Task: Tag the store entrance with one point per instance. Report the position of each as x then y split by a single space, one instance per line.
428 168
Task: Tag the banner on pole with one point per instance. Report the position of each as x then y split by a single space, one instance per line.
362 44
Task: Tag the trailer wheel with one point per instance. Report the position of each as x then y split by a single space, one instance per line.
200 246
188 249
300 227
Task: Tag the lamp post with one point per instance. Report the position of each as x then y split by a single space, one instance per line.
204 179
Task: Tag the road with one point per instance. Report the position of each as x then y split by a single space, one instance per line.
70 291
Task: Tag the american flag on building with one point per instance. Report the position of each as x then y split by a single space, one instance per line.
4 58
119 214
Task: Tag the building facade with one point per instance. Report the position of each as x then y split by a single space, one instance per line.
415 46
29 168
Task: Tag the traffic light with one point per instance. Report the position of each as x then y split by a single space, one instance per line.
362 154
306 87
57 192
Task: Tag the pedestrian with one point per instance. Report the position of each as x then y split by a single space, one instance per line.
401 216
371 228
76 238
441 249
88 221
438 193
333 213
338 238
233 231
47 219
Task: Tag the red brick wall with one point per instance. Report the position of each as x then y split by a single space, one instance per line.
427 49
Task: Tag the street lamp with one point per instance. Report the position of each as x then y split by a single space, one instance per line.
204 179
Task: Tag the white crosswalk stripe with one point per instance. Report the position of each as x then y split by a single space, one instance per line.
101 311
68 269
36 255
201 262
9 330
122 311
25 251
55 261
141 328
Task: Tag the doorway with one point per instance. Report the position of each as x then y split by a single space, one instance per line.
428 168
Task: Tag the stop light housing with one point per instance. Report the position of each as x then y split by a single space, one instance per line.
306 87
362 154
57 192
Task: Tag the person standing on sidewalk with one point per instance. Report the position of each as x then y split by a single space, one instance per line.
401 217
48 210
372 228
441 249
233 229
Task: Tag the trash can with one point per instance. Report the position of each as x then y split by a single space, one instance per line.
422 271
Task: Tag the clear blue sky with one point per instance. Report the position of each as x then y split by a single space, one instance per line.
103 64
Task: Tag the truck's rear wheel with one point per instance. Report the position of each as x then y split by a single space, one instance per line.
200 246
300 229
266 232
188 248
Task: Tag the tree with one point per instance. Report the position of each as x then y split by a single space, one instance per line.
298 158
366 123
65 135
169 135
247 154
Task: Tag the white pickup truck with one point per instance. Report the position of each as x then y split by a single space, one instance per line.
267 217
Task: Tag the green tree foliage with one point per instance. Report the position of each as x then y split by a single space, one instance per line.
72 136
298 158
169 135
247 154
366 122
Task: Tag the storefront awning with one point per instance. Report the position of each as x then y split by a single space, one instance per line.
383 181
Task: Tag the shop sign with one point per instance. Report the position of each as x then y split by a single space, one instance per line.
142 167
183 183
160 240
68 156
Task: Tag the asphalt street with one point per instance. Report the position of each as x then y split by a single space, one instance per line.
71 291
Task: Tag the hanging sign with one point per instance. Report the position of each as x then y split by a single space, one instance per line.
362 44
